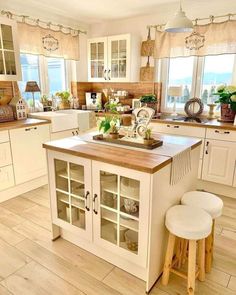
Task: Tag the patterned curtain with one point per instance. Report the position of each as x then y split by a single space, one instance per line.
47 42
209 39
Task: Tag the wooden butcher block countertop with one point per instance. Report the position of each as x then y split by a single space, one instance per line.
22 123
129 158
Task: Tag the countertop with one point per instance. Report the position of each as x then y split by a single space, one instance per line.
132 158
22 123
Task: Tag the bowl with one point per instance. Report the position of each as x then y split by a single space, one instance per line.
129 187
131 239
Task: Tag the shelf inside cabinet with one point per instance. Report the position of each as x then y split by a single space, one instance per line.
129 223
64 199
108 215
77 178
132 197
77 203
110 187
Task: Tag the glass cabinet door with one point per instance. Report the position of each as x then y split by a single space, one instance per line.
72 202
119 55
97 59
121 210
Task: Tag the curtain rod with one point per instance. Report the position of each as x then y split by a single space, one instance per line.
37 22
196 20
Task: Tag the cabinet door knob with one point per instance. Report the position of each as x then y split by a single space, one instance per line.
87 201
109 76
94 201
207 144
105 77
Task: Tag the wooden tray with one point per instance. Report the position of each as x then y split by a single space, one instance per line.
155 143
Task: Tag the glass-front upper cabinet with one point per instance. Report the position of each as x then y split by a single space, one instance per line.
9 51
109 59
121 210
72 189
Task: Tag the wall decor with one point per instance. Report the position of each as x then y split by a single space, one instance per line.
194 107
136 103
19 108
195 41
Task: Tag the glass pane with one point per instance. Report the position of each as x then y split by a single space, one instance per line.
100 51
129 239
122 49
218 70
56 74
100 69
130 188
63 207
61 175
109 226
78 217
93 51
109 189
114 69
77 180
122 68
10 62
114 50
7 38
2 72
180 74
30 72
94 69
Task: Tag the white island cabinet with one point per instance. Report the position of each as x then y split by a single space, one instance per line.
114 206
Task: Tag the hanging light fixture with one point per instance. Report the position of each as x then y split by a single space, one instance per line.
180 23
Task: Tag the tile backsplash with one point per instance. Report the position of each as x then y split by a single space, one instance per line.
134 89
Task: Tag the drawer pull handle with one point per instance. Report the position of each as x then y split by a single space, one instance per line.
207 144
94 200
31 128
225 132
175 126
87 201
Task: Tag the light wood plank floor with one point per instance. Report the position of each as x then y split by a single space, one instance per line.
31 264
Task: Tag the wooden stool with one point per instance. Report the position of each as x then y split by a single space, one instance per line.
192 224
213 205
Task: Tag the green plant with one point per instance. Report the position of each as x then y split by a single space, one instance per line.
64 95
148 134
227 95
148 98
111 106
109 123
114 128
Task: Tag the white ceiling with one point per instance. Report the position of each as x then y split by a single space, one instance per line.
86 11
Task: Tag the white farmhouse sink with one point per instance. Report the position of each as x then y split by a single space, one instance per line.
60 121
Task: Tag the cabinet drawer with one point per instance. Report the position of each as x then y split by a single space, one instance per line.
4 136
6 177
176 129
5 154
221 134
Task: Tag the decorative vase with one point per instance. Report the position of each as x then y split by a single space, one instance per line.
64 105
148 141
114 135
227 114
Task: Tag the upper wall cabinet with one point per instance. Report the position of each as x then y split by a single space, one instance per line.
110 59
9 51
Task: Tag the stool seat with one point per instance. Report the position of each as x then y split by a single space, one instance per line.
188 222
212 204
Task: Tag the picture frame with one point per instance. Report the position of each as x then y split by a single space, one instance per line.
136 103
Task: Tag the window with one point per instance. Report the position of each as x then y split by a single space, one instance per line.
199 77
180 74
56 74
30 72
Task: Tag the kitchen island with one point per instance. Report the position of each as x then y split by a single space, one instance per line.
112 200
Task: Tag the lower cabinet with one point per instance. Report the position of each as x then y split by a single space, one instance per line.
219 161
102 204
6 177
29 157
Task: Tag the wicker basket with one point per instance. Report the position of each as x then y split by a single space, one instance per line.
6 114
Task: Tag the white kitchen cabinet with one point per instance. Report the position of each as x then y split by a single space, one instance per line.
5 154
110 59
219 161
9 51
6 177
29 158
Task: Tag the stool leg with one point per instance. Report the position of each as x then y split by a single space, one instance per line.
168 259
179 251
208 257
201 260
191 266
185 252
213 237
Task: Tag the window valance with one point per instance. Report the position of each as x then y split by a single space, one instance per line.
209 39
47 42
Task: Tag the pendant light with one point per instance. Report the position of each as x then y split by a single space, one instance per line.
180 23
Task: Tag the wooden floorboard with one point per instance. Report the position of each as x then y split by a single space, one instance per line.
31 264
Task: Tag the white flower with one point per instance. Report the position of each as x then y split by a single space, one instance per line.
230 88
220 88
233 98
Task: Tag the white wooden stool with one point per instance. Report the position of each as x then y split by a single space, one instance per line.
213 205
193 224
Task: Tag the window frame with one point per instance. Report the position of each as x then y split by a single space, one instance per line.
197 79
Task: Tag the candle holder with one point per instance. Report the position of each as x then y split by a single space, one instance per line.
211 115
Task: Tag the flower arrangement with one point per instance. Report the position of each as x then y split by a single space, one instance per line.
227 95
65 99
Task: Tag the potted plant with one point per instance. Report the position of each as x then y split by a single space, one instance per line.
149 100
227 99
148 140
114 131
109 125
65 99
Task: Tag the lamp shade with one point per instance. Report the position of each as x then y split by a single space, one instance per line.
175 91
179 24
32 86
